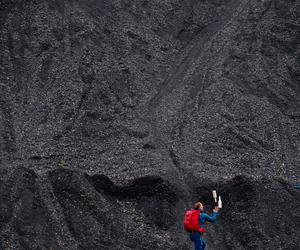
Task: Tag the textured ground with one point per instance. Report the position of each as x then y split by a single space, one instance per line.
150 104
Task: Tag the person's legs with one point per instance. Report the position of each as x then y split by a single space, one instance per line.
195 237
200 244
203 244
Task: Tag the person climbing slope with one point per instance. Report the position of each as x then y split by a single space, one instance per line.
196 228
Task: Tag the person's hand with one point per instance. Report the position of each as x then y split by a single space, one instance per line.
216 209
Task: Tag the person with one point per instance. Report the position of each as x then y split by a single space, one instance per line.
196 237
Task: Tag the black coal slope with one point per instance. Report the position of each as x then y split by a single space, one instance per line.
98 213
259 214
70 210
146 106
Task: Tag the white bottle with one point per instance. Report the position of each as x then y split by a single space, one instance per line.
214 192
220 202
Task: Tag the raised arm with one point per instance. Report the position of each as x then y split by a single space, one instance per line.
211 218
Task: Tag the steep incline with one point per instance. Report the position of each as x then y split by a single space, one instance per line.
235 107
176 76
150 104
66 209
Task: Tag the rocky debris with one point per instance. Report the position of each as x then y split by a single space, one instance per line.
67 209
144 101
259 213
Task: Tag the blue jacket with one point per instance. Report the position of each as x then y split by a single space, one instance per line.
205 217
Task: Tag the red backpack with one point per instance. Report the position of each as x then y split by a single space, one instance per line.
191 221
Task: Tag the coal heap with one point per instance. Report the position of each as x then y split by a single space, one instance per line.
116 116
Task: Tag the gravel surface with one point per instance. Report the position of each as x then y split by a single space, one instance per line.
115 116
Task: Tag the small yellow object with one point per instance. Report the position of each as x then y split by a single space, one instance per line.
61 164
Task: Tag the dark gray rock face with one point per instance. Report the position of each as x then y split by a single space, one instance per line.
66 209
151 104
